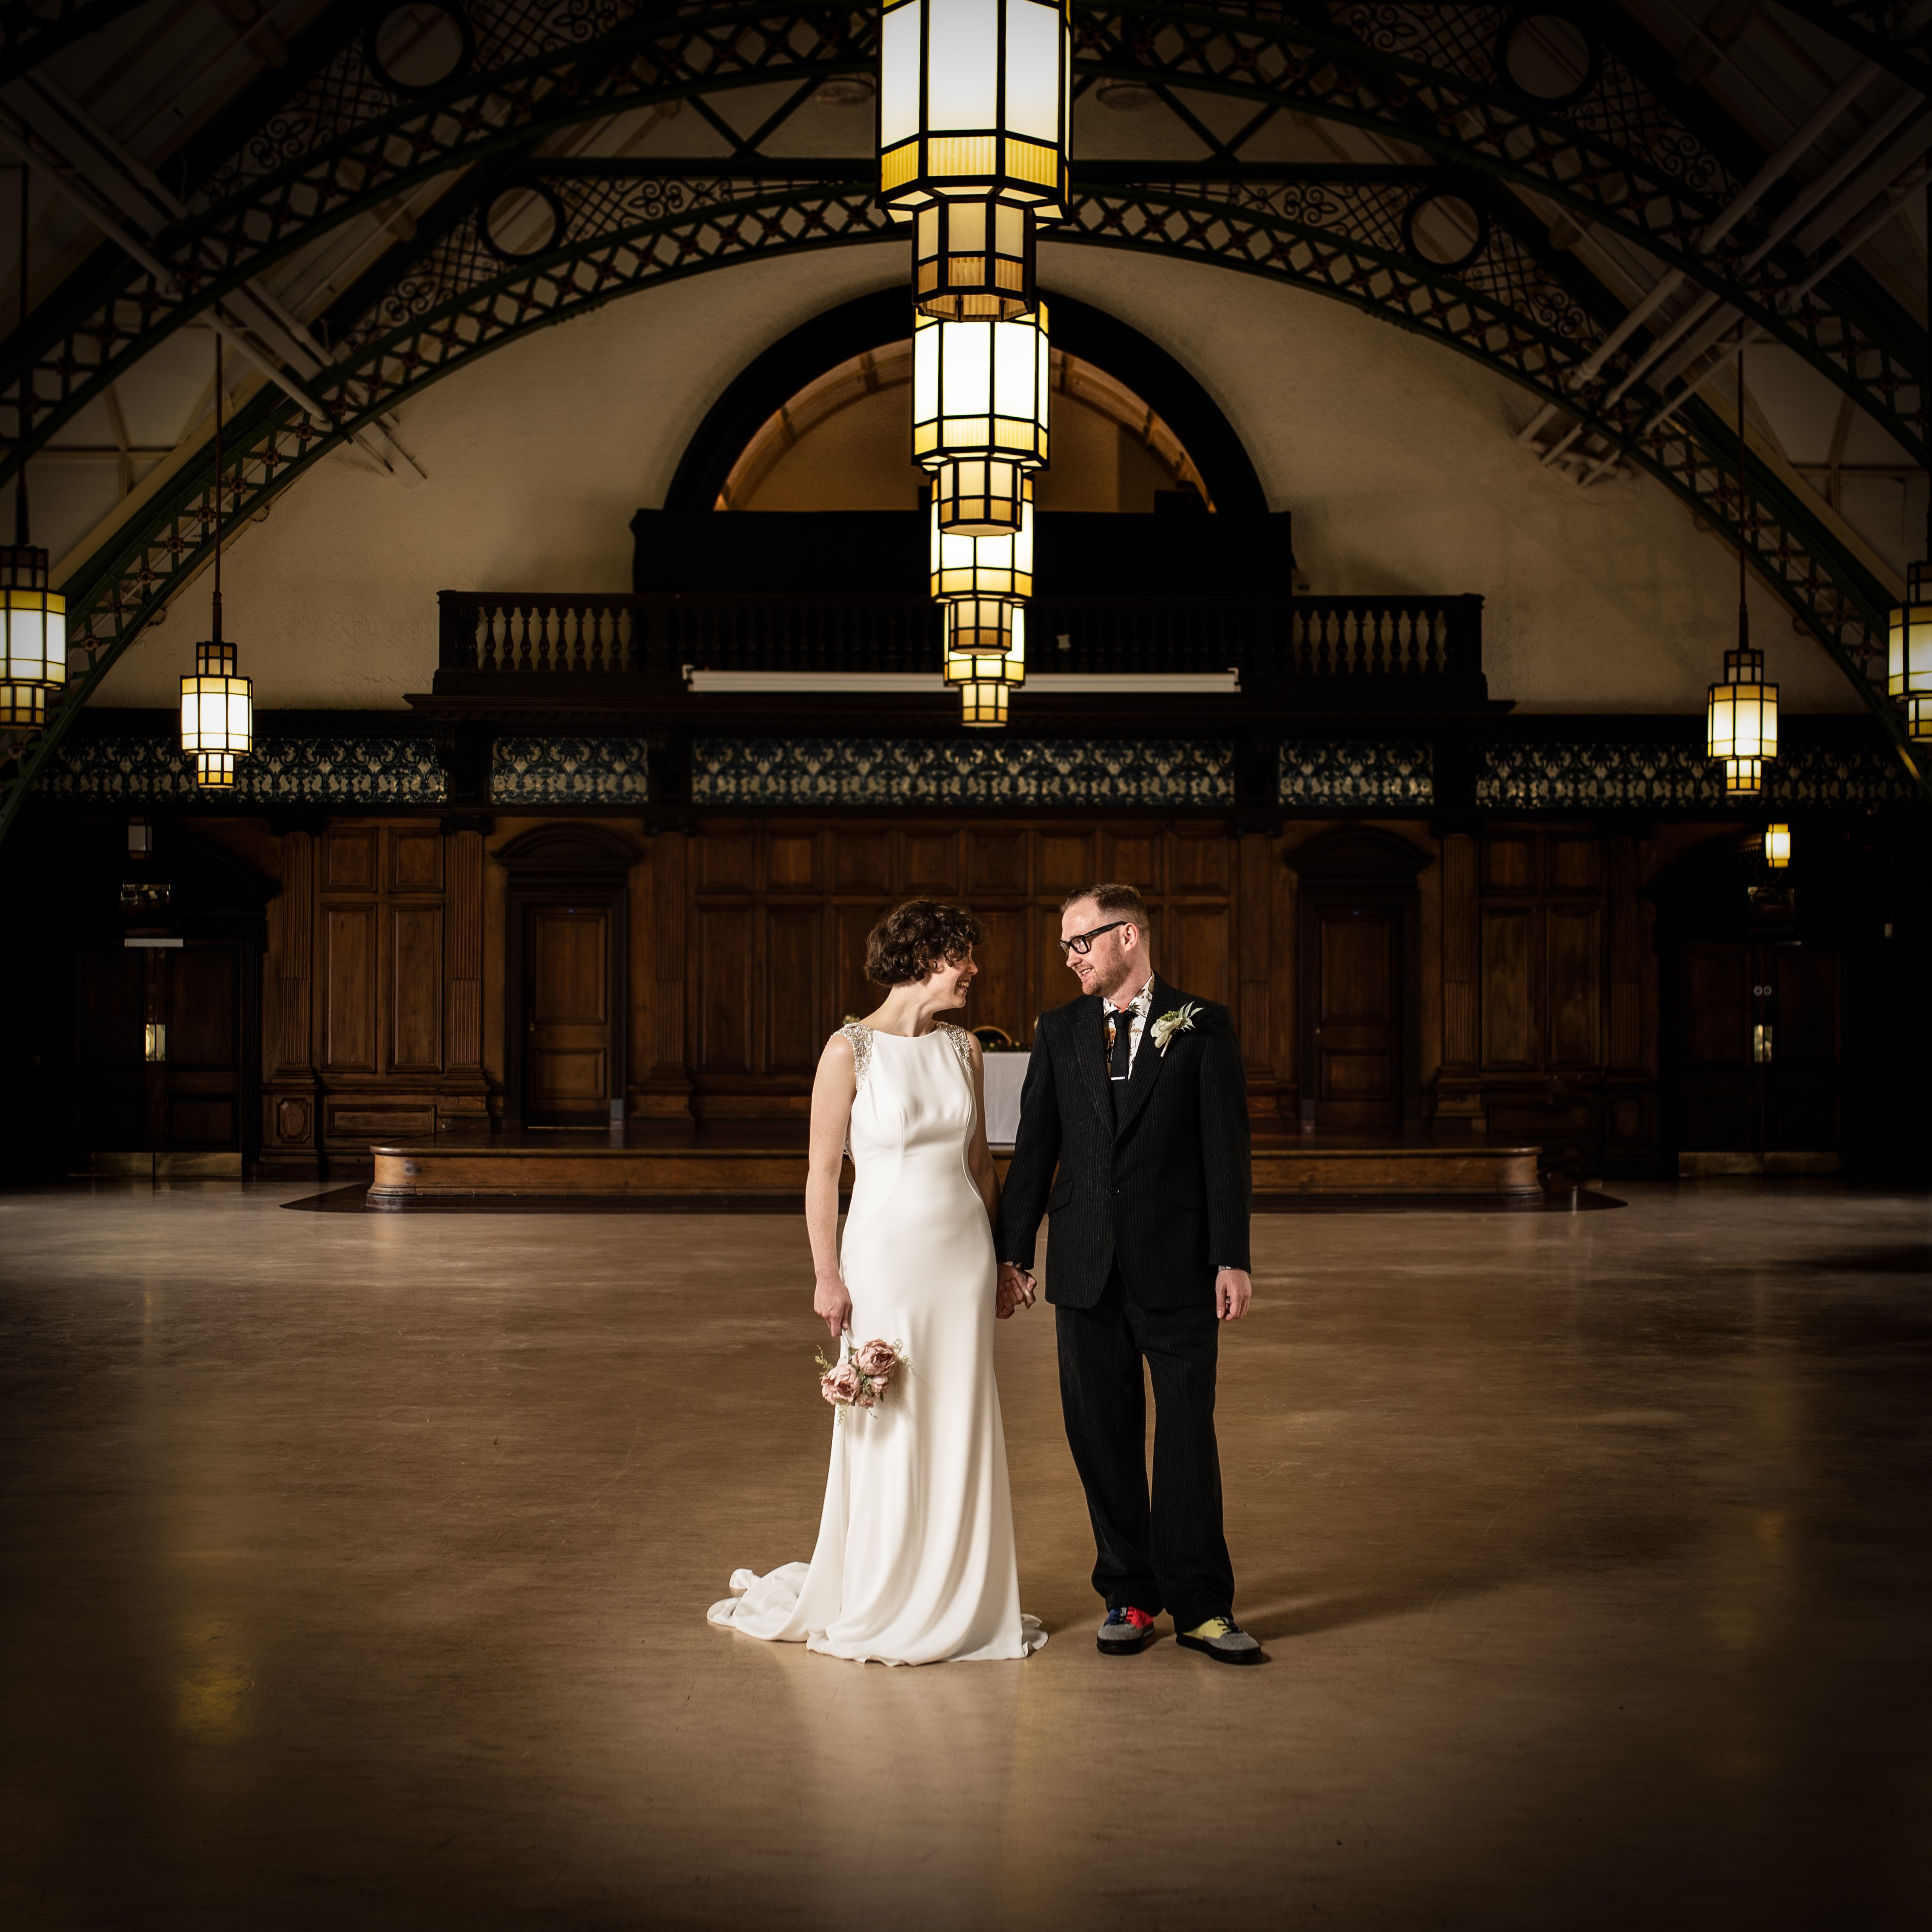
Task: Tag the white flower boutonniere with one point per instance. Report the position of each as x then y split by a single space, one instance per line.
1181 1020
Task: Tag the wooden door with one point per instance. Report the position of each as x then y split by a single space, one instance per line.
1759 1049
1357 1015
566 981
158 1049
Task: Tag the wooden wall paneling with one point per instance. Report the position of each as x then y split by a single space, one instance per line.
414 964
1573 975
1427 974
999 995
794 1028
1510 1032
416 860
853 992
349 861
724 860
1052 984
1285 991
996 863
348 978
1200 951
1254 948
1063 862
464 1090
1134 859
665 1092
1461 1006
722 990
861 861
929 863
1510 864
1627 957
792 861
1575 865
1199 861
288 1089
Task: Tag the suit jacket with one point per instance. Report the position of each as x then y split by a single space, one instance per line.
1163 1190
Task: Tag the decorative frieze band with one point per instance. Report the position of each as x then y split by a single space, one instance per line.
1022 772
1312 774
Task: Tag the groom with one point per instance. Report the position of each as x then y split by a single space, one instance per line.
1136 1093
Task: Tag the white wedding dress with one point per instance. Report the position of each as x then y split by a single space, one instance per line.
915 1560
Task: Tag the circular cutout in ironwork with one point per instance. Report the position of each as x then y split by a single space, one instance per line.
519 223
1547 57
1444 230
419 46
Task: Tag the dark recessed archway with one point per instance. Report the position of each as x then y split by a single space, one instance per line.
871 322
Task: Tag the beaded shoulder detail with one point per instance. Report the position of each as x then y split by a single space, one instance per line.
861 1038
961 1042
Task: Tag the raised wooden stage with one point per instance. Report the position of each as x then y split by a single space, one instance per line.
763 1166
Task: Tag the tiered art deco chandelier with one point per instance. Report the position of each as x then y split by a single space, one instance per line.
974 102
217 709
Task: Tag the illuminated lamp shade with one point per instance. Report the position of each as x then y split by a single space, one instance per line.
979 390
973 260
33 636
1909 657
985 678
985 636
1741 722
975 101
975 499
1000 566
1778 846
217 716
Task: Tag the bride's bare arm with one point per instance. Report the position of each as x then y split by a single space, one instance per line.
832 1093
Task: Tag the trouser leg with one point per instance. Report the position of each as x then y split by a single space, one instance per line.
1104 1400
1189 1550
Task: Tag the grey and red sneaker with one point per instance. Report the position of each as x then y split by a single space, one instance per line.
1125 1631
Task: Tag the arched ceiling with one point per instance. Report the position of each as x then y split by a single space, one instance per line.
1592 201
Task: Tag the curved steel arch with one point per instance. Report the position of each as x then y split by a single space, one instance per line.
1337 232
1625 154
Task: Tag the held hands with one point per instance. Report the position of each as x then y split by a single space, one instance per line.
1234 1289
1016 1290
832 1304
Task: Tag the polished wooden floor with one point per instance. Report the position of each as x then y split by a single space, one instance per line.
353 1572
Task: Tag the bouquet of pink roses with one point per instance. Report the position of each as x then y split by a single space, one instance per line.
860 1377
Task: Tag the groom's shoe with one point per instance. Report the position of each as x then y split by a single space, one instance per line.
1223 1640
1125 1632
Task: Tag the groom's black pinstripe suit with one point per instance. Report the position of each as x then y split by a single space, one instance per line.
1151 1196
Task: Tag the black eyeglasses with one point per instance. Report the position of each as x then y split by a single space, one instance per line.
1082 942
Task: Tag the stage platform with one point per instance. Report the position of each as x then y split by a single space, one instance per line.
752 1167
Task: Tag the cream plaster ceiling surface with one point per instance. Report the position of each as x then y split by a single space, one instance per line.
1397 456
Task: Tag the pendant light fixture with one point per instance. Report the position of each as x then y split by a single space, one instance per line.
33 618
979 392
218 710
984 679
975 104
1740 714
1000 566
1908 657
1778 846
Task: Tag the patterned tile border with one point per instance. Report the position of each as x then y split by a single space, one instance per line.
1349 776
1599 776
1002 771
290 771
569 771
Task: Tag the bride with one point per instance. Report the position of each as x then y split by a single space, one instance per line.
915 1561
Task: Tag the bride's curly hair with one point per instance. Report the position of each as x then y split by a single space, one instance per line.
913 939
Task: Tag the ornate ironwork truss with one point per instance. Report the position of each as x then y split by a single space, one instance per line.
1515 304
1631 150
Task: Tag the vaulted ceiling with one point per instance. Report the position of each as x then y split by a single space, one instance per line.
1596 201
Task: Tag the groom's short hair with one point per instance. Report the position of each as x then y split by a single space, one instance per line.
1115 901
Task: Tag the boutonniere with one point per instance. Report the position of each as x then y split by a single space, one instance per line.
1181 1020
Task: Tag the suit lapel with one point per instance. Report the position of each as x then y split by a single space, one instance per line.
1146 1061
1090 1055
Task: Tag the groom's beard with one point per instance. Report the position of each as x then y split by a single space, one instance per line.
1123 973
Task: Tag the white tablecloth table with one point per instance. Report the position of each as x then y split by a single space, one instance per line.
1006 1075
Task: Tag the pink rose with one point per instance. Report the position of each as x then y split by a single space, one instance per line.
876 1359
840 1383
